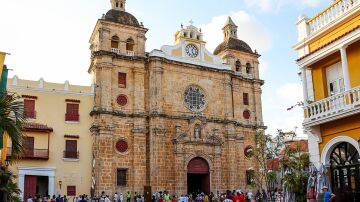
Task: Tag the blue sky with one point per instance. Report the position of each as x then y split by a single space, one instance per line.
49 39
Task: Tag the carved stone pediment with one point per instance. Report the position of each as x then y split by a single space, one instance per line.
204 137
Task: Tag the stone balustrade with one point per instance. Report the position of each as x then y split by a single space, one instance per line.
330 107
336 10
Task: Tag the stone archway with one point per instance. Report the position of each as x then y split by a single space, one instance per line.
198 176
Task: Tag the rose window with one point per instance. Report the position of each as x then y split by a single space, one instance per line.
195 98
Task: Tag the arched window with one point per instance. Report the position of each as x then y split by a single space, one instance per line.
248 68
115 42
117 4
130 44
238 66
197 131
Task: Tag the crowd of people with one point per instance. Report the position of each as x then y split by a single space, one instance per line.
165 196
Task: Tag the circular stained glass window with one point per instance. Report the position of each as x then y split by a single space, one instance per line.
195 98
249 152
122 146
122 100
246 114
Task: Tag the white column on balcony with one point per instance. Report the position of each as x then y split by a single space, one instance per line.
345 68
21 184
304 84
51 185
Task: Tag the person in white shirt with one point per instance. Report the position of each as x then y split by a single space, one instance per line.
121 197
107 199
116 197
29 199
250 196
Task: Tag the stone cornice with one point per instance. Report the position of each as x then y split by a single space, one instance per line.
148 59
180 117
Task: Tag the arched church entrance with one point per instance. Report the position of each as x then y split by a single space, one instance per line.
198 176
345 172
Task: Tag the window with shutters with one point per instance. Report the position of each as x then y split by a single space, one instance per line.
122 80
71 190
115 42
71 149
246 98
238 66
29 146
29 109
121 177
248 68
72 112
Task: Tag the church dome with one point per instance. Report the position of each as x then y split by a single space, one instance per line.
121 17
233 44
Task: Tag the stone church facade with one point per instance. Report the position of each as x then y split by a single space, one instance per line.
180 118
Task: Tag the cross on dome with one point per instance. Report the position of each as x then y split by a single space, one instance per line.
191 22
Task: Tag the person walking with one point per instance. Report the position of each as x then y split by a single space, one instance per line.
121 197
116 197
328 195
128 197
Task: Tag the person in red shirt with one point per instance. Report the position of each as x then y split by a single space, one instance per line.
241 197
236 198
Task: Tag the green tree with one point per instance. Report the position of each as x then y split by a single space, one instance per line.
295 164
8 187
267 147
12 120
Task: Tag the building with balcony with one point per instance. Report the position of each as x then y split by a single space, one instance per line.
329 59
57 157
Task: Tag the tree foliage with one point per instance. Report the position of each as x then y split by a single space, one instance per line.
12 120
295 164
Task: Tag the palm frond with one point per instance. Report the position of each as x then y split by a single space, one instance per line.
12 120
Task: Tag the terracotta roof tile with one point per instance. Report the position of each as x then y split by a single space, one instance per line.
303 144
37 127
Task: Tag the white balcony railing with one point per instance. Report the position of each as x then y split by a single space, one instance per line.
336 10
130 53
339 104
127 53
115 50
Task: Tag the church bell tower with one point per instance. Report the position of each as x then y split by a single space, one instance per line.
118 5
230 29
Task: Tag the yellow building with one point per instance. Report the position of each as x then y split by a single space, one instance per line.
57 156
329 58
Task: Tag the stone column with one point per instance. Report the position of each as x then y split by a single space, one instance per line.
139 158
257 103
139 91
156 73
345 68
315 139
304 83
228 97
51 185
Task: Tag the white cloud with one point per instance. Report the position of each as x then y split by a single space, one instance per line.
273 5
250 30
291 92
275 105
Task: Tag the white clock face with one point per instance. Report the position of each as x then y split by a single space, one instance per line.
192 50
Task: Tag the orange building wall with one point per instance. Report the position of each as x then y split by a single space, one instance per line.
319 75
349 126
335 33
353 55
